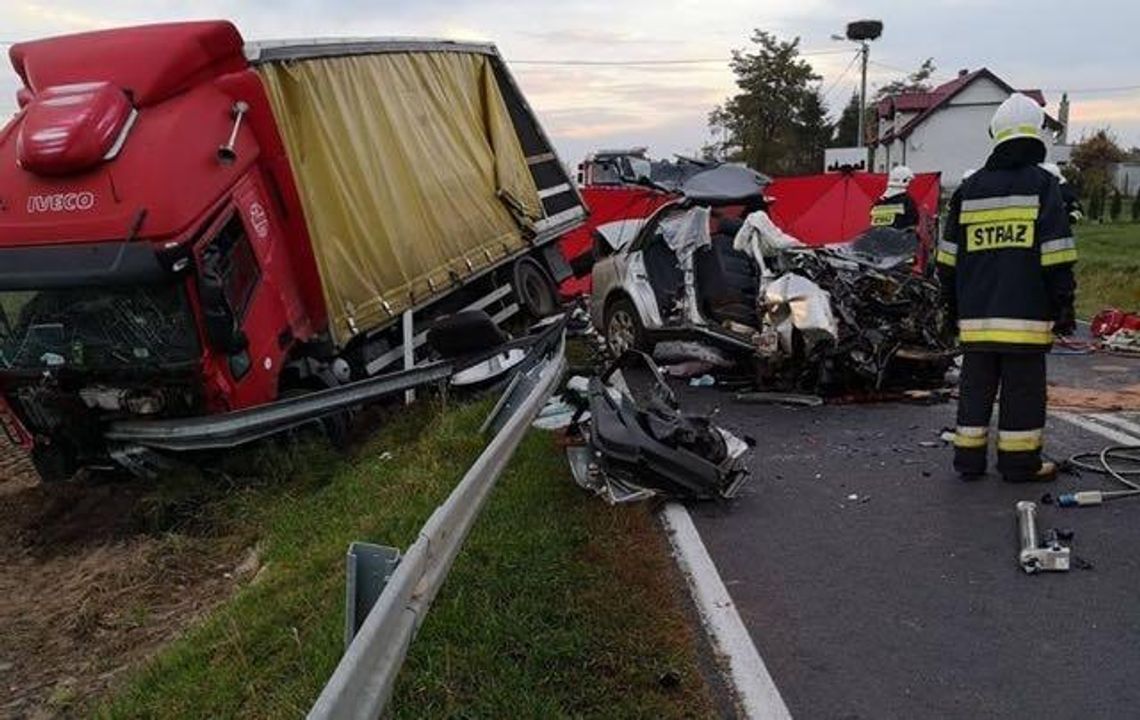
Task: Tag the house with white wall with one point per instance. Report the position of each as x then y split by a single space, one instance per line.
946 130
1126 177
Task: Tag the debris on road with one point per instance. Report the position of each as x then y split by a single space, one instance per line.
1124 341
632 448
778 398
1110 321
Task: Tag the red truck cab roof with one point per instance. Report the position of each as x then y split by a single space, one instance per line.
116 127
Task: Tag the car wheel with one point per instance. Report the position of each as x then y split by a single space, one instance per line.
623 327
534 289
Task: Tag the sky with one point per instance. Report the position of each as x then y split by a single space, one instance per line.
1088 49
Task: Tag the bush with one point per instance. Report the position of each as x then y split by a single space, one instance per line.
1116 207
1096 204
1136 207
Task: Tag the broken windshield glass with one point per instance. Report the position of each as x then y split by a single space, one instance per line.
96 328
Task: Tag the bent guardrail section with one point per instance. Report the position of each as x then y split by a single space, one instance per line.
363 680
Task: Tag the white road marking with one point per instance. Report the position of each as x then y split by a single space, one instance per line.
754 686
1087 423
1120 422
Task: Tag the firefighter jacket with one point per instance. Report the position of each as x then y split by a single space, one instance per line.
897 211
1006 257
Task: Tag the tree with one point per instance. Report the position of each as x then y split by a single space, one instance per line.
1136 207
722 147
847 129
917 82
1116 207
1093 158
777 123
1096 204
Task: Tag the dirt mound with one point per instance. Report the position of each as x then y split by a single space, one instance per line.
51 518
16 471
94 578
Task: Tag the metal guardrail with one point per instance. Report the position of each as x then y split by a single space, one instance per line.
214 432
363 680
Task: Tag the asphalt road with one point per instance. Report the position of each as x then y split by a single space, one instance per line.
908 602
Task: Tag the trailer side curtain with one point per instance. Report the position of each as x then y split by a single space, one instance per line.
407 165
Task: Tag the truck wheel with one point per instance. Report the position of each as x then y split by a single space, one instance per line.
55 463
337 427
623 327
534 289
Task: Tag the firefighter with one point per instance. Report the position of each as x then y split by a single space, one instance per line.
1068 194
1006 266
895 209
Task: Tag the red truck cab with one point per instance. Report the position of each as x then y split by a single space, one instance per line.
190 225
153 260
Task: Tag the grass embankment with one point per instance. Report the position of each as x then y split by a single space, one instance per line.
1108 272
557 605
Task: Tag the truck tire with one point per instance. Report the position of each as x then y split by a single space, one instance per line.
55 463
623 329
465 333
336 428
534 289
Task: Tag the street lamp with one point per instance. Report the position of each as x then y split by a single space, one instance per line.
862 32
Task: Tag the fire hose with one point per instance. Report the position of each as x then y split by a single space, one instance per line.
1120 462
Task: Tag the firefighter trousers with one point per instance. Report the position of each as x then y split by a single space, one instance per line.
1021 416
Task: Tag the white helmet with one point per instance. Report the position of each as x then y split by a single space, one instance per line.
1055 170
899 180
1018 117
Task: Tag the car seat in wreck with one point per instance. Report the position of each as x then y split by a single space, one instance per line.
728 281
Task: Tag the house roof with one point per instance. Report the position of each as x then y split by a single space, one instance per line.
926 104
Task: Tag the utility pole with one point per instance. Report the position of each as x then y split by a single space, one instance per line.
862 32
866 50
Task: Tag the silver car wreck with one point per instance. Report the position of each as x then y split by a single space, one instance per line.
710 271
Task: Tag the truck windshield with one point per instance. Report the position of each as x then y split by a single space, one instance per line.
96 328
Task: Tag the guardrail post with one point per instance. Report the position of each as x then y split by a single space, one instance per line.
409 352
367 569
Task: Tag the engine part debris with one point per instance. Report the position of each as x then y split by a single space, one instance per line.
632 447
890 326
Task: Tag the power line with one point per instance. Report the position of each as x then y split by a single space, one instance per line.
1070 90
836 81
1075 91
636 62
620 63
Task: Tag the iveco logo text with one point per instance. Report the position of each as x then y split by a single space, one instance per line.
61 202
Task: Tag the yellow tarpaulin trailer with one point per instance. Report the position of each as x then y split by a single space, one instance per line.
419 165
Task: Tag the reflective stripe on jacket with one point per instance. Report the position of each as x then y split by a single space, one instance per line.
897 211
1006 258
